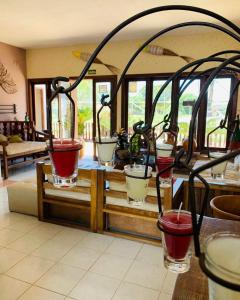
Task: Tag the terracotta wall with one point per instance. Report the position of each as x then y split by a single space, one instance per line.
14 60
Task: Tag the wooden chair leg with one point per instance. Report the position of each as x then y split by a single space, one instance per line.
5 167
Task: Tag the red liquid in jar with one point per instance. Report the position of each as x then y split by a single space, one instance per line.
65 157
177 246
163 163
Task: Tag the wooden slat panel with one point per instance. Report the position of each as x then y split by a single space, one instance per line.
136 226
133 212
67 202
75 189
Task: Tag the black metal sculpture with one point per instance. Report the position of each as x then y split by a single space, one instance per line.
231 64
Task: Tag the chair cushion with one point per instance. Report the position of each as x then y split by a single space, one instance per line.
3 138
15 138
24 147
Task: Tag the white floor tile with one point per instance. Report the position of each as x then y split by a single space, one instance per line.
27 244
129 291
124 248
96 241
36 293
46 230
53 250
169 282
24 225
151 255
8 235
112 265
70 236
94 286
164 296
61 278
30 269
147 275
10 288
9 258
81 257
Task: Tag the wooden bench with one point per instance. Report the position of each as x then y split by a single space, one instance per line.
32 149
75 206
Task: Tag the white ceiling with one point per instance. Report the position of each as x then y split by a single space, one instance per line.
48 23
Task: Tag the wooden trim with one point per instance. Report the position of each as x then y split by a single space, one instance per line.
105 209
66 202
133 237
85 174
130 212
93 202
201 129
75 189
100 201
40 190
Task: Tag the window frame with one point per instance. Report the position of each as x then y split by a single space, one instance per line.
201 129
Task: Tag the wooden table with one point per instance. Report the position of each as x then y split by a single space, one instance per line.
229 185
193 285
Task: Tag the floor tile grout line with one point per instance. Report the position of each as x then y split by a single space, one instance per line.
122 280
47 240
88 270
24 292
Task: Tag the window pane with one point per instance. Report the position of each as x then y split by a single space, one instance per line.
85 108
163 105
218 97
136 103
186 103
105 116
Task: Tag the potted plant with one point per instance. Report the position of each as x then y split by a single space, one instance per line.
122 152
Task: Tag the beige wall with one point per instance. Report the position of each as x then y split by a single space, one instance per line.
53 62
14 59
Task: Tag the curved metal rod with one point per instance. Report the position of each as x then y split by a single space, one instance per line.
104 103
198 102
175 98
49 112
213 55
162 32
190 80
176 75
168 118
146 138
222 124
134 18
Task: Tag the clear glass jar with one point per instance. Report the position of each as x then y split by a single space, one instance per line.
222 258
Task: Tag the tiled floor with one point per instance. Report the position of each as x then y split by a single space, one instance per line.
41 261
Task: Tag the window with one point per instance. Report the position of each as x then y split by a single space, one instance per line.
136 102
186 103
139 93
218 97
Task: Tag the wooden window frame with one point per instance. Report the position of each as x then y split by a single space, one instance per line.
149 78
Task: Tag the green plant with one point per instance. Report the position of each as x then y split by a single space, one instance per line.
84 114
136 144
